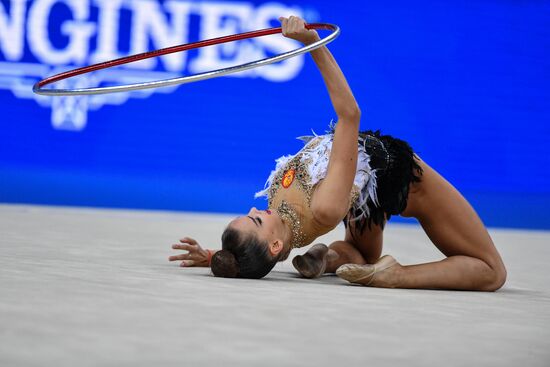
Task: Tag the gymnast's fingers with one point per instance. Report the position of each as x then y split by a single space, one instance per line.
189 240
300 23
178 257
187 263
284 24
290 21
295 25
184 247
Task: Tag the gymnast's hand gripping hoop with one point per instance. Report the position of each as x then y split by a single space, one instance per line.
38 88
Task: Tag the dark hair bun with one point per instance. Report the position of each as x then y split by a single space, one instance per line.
224 264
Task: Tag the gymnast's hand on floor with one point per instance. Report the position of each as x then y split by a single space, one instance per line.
295 28
195 256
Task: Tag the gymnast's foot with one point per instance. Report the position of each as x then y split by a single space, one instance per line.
313 263
382 274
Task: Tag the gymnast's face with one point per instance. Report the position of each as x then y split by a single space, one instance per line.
264 224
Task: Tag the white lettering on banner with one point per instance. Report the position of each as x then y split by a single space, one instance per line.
107 38
60 35
220 19
11 29
285 70
149 22
77 31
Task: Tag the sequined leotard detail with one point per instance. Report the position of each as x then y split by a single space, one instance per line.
290 187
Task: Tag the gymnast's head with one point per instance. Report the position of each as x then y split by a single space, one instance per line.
251 246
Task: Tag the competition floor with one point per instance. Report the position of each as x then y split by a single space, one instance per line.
87 287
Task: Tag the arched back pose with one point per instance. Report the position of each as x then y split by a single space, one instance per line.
362 178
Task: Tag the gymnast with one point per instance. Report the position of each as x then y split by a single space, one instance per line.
362 178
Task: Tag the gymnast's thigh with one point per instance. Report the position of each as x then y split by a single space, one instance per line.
448 219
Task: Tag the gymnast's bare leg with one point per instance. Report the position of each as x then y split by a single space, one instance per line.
355 249
472 261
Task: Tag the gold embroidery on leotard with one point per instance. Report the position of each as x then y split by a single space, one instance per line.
289 216
301 176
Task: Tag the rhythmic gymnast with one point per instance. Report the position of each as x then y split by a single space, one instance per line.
362 178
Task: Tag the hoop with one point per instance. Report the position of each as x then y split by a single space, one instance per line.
38 88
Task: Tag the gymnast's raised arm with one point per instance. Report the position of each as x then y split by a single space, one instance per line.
330 202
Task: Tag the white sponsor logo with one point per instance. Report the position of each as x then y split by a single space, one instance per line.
43 37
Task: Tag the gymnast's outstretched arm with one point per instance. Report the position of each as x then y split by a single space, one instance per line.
195 256
330 202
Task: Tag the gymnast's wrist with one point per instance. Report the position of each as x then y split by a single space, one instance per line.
311 38
209 256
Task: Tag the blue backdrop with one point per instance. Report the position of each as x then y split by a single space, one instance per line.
466 83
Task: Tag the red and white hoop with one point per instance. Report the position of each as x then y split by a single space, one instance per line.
38 88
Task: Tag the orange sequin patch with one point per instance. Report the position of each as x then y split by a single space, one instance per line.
288 178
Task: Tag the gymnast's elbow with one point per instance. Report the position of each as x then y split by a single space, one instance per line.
350 112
